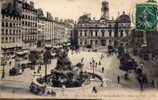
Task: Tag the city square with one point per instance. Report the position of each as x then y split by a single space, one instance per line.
15 85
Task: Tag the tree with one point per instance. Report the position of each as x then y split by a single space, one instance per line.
33 57
46 59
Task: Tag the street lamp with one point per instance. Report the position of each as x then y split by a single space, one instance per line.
93 65
3 70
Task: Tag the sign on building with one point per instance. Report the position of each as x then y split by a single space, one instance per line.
146 16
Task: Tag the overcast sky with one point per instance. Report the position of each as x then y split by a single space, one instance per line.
75 8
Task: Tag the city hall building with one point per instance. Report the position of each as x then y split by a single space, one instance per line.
102 32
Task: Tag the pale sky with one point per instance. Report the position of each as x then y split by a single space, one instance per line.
75 8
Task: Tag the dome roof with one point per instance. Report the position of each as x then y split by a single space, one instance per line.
84 18
124 18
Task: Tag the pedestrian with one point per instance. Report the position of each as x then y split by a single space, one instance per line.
23 68
94 89
90 64
3 75
99 63
101 85
40 67
102 69
82 60
93 59
152 84
118 79
101 57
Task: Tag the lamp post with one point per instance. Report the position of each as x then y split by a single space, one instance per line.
93 65
3 70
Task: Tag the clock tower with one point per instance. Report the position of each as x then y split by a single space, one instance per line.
105 10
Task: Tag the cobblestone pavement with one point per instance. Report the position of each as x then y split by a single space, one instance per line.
18 86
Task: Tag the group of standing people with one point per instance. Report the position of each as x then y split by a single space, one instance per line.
94 63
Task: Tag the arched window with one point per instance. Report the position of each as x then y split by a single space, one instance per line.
91 32
96 33
80 32
121 33
110 33
85 32
103 33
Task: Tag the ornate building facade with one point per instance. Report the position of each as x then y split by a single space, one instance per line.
95 33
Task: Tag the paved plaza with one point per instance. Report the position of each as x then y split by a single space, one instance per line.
18 86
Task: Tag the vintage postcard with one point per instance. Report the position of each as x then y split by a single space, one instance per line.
78 49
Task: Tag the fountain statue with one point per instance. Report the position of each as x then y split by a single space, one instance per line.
65 74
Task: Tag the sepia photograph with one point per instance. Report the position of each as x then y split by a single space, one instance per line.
78 49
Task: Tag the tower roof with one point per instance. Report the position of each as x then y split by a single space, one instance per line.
124 18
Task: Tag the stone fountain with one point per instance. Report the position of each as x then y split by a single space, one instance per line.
67 75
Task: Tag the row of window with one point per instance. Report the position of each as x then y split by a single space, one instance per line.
30 38
91 25
10 32
10 39
102 33
29 24
96 33
8 24
30 31
105 25
29 17
10 17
